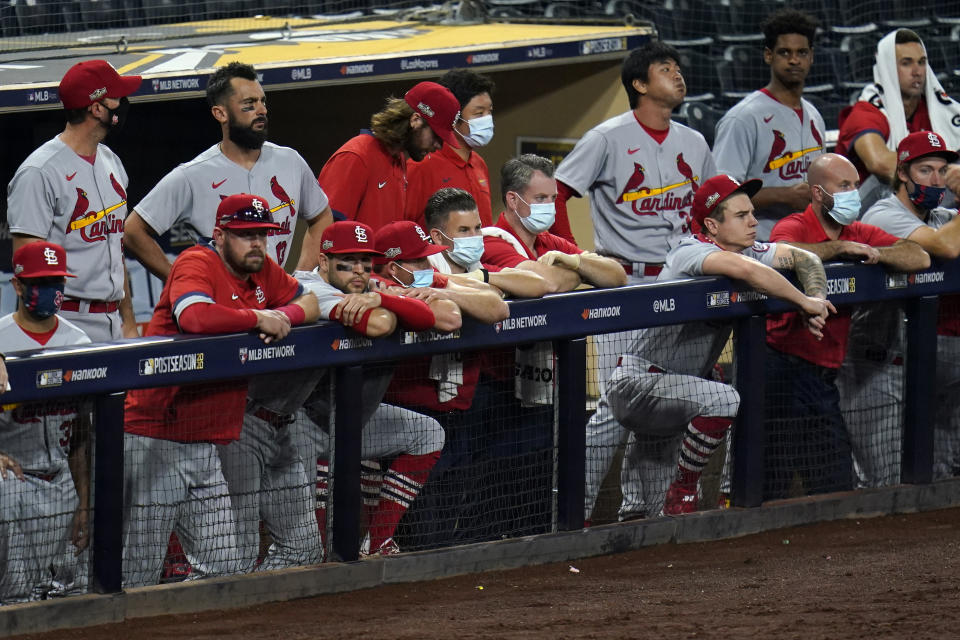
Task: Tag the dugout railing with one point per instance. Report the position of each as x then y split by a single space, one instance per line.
564 319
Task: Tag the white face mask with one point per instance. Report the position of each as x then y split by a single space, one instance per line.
481 131
541 218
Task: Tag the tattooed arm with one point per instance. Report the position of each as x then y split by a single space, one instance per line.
806 265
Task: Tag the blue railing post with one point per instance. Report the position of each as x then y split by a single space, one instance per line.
919 408
346 498
571 434
108 493
748 434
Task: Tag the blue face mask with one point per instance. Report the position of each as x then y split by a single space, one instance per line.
481 131
43 300
421 278
542 215
466 251
846 206
926 197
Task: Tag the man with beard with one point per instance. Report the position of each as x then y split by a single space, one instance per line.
241 161
172 472
773 134
72 191
367 176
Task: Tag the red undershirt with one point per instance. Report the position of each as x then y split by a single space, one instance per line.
45 336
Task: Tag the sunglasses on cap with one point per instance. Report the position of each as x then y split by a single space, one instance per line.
248 215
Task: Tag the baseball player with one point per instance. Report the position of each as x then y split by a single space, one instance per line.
413 441
367 176
72 191
806 433
44 476
461 167
773 134
640 170
660 390
453 223
243 161
172 471
871 378
904 97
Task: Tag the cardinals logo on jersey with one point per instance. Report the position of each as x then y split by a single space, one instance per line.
94 226
632 184
280 194
646 201
792 165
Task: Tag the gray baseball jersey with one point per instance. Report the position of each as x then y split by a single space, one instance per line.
192 192
640 191
37 435
59 196
760 137
691 348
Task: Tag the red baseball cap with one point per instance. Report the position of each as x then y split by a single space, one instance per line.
348 236
717 189
92 80
924 143
40 260
405 240
245 211
438 106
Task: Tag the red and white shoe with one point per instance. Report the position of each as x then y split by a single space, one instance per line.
680 499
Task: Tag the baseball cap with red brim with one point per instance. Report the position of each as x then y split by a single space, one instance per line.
93 80
245 211
405 240
438 106
920 144
40 260
348 236
717 189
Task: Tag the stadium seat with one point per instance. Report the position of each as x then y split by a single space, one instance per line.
103 14
699 71
822 79
855 70
739 20
703 118
514 8
830 110
691 19
747 66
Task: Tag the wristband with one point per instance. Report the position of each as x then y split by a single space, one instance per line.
295 312
486 275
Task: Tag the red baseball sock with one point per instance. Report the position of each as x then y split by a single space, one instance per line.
703 437
401 485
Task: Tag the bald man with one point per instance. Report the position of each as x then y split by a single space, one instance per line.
806 433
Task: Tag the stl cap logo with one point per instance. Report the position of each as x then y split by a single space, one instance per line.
98 93
933 139
425 109
327 244
712 200
361 234
261 296
420 232
392 252
50 256
258 205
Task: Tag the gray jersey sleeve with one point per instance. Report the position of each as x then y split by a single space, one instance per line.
582 166
327 296
30 203
686 259
890 215
735 145
314 199
169 201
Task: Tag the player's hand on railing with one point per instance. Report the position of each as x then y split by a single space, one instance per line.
354 305
560 259
273 325
816 311
863 253
7 463
426 294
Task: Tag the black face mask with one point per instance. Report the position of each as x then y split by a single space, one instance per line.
117 117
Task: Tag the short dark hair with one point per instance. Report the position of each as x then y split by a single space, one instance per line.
906 35
76 116
787 21
637 64
516 172
218 85
465 85
443 202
